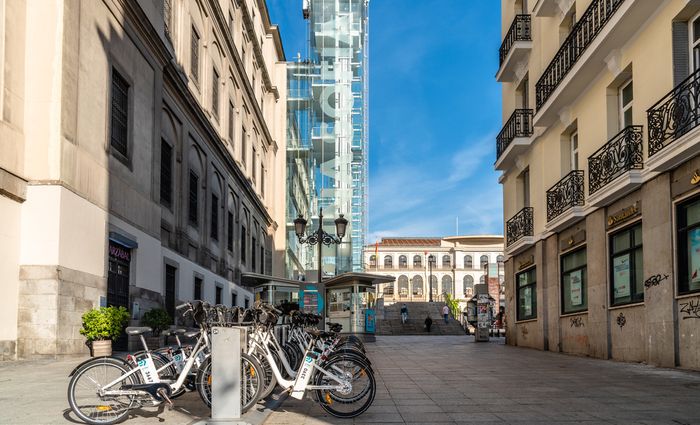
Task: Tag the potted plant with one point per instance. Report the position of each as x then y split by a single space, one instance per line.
158 320
101 326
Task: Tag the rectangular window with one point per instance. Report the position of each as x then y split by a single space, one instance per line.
573 141
230 22
194 56
244 142
262 180
574 283
170 273
231 122
120 114
246 303
197 288
243 244
526 287
253 163
229 236
214 225
234 299
219 291
688 219
166 174
626 97
252 255
262 259
215 93
627 266
695 43
193 203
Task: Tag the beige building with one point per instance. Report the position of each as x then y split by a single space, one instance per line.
459 262
599 154
142 160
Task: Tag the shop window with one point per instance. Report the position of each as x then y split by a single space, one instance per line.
688 219
573 282
527 295
627 266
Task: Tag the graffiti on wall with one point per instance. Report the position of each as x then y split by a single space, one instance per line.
621 320
655 280
523 331
577 322
690 309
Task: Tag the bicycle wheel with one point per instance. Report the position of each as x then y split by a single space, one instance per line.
361 367
252 376
346 402
85 400
270 381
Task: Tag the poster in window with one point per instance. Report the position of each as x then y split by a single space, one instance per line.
527 304
575 293
621 277
694 260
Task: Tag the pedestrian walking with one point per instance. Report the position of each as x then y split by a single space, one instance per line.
428 323
445 312
404 313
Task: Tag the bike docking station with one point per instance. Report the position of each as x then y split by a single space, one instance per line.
226 346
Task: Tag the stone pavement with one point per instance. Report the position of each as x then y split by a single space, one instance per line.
439 379
449 379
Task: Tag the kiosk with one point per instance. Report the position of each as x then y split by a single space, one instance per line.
351 300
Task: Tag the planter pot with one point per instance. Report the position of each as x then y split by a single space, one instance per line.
102 348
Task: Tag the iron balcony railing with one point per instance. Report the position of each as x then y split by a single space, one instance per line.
675 114
622 153
566 194
582 35
520 30
519 226
518 125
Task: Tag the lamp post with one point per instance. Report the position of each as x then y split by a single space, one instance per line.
319 236
431 260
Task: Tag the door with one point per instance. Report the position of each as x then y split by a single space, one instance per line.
118 284
170 290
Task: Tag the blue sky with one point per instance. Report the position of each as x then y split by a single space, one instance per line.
434 113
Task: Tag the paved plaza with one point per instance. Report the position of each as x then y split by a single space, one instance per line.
423 379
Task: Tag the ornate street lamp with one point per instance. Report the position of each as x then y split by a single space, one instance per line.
431 261
319 236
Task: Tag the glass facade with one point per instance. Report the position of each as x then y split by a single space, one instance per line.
328 106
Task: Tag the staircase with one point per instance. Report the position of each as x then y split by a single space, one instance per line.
417 312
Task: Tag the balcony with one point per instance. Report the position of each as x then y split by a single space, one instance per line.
520 231
565 201
514 138
515 49
674 126
614 170
595 41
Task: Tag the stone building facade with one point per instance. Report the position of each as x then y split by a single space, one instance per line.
599 154
460 262
142 162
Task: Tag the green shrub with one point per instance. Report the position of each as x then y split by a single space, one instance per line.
104 323
453 305
157 319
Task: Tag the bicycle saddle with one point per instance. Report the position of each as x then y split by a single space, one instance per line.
318 333
170 332
138 330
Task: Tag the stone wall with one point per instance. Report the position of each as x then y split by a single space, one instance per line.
52 300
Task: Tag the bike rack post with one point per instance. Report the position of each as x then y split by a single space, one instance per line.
226 389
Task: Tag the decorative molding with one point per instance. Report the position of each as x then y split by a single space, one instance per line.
565 116
614 61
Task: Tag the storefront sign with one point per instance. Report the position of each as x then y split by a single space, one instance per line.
624 214
119 252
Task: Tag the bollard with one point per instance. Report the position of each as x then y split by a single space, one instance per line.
226 375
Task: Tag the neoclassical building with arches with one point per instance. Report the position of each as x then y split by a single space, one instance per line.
460 262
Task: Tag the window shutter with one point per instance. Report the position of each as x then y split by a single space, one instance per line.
681 47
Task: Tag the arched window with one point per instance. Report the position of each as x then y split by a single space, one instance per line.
417 261
500 259
389 289
433 284
468 286
484 261
373 261
417 286
403 262
482 279
468 262
447 284
403 286
446 261
388 262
